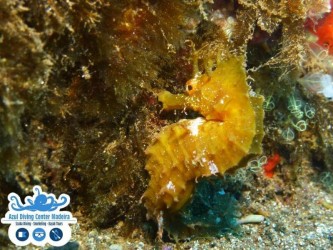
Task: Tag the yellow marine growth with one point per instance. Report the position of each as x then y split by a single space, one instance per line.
229 131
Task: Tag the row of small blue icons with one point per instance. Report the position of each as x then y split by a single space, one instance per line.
39 234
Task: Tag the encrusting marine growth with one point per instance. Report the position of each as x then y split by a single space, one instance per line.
230 129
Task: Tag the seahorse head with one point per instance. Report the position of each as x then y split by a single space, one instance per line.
211 93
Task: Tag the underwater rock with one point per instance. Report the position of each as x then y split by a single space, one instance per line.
78 106
74 108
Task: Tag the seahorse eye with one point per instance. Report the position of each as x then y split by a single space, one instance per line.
191 86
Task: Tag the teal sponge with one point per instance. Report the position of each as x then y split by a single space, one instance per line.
212 211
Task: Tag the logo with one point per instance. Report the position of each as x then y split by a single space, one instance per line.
39 220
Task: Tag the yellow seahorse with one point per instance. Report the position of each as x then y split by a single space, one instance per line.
230 130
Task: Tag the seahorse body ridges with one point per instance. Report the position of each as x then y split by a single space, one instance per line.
230 130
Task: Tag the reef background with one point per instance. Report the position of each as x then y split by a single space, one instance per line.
78 107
